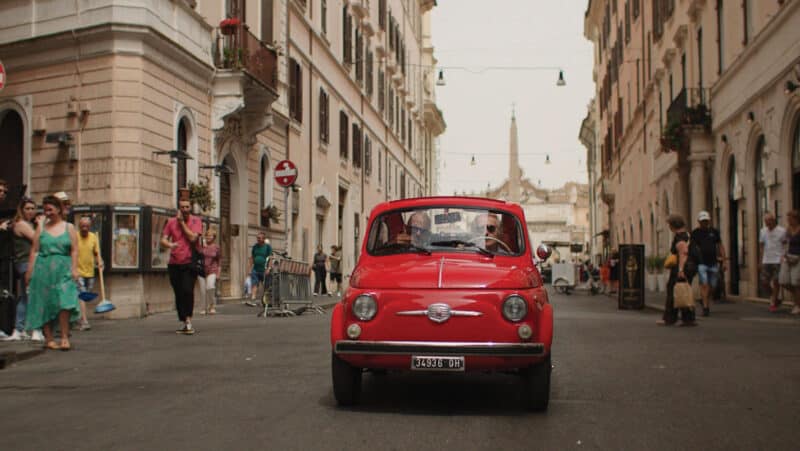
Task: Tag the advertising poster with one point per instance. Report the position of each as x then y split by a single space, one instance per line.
125 241
159 256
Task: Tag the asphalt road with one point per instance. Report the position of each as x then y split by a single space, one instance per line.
619 382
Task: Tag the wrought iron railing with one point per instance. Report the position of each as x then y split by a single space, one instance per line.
690 107
238 48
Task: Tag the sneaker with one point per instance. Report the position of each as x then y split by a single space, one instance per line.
796 310
15 336
706 311
188 329
182 330
37 336
85 326
250 303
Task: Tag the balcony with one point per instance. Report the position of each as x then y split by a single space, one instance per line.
245 83
239 49
688 110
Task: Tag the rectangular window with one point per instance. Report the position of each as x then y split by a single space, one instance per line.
347 36
359 57
382 14
381 91
627 22
324 116
356 146
344 126
367 155
295 90
699 57
747 13
720 37
324 16
635 9
380 165
369 76
266 21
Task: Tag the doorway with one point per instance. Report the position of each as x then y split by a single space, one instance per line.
225 281
12 137
733 229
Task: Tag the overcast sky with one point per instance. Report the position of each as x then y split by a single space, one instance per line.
477 104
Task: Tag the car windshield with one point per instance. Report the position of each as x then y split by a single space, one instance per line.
447 229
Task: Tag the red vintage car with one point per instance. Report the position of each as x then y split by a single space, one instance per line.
446 284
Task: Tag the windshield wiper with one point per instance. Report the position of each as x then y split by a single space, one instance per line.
403 247
454 243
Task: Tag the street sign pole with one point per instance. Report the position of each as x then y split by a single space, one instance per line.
286 227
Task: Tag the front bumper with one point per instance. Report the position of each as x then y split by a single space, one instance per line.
483 349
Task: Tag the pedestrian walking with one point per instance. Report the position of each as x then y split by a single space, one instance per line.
211 260
180 234
319 267
23 235
613 274
336 268
771 247
789 276
88 257
259 257
7 301
684 270
711 253
52 276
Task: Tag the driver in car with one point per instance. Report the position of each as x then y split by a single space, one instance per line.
417 230
488 225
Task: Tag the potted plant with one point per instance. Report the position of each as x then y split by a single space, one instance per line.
671 137
270 214
228 26
200 195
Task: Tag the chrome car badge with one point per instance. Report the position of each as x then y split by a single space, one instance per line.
438 313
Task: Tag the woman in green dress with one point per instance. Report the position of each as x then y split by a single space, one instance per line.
53 292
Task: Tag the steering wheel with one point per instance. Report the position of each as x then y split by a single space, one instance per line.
500 242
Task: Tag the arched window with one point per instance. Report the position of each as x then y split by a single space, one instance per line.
183 141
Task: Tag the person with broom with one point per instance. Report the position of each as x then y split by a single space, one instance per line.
88 256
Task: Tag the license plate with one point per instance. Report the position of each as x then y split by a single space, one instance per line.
434 363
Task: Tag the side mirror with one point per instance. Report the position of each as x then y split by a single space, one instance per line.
543 252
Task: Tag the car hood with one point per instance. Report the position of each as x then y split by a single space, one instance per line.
430 272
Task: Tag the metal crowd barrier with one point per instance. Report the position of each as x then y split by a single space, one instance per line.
290 292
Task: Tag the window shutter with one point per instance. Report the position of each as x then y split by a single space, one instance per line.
343 129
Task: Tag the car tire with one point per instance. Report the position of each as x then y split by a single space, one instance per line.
536 379
346 381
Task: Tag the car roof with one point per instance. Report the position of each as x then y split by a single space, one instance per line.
444 201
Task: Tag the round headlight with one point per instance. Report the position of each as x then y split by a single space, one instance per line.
515 308
365 307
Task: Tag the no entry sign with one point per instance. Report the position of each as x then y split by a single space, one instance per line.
2 76
285 173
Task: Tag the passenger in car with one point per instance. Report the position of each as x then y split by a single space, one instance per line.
488 225
417 230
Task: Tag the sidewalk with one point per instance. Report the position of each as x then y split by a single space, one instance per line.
728 309
110 331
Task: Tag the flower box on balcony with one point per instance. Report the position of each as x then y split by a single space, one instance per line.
228 26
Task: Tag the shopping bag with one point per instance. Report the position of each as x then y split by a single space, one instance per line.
682 295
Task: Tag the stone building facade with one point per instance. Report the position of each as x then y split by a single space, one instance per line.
695 110
106 100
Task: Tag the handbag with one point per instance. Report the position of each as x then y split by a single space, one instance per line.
198 264
792 259
682 296
671 261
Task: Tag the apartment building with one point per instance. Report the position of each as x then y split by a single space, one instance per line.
124 105
695 110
